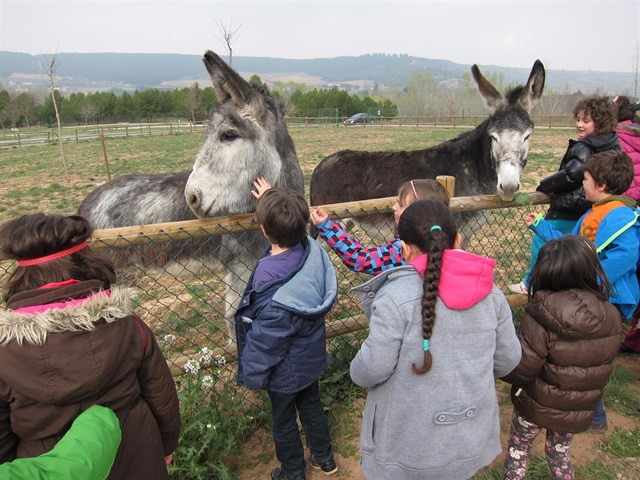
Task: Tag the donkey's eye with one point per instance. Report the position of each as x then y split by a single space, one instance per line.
229 136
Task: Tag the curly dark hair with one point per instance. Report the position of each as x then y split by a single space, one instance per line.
415 228
624 109
38 235
601 111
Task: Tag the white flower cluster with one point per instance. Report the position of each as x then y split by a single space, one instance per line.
169 338
206 356
192 367
220 361
207 381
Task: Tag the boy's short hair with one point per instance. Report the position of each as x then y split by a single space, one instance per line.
601 110
284 215
612 168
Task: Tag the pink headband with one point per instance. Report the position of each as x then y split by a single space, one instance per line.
413 187
53 256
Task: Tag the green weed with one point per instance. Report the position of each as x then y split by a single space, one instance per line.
623 443
622 393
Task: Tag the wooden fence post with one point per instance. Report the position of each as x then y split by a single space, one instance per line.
19 144
126 131
448 182
49 137
104 150
76 135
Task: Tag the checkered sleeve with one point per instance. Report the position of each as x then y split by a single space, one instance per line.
371 260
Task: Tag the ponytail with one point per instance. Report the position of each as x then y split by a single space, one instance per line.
429 226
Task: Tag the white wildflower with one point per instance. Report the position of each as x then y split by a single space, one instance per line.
192 367
208 425
169 338
207 381
206 356
220 361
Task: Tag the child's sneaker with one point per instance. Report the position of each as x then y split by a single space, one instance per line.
279 474
520 288
329 467
597 428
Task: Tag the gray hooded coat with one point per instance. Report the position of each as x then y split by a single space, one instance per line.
443 424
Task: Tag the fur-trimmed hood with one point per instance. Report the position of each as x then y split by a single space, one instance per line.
69 345
71 316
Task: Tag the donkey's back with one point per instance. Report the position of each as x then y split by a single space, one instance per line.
138 199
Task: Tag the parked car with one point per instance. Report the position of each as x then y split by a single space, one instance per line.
359 118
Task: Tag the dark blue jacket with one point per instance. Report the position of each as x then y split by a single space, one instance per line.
280 330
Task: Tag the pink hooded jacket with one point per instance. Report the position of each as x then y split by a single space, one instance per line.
629 135
461 272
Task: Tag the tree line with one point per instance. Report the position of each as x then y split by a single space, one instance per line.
195 104
423 95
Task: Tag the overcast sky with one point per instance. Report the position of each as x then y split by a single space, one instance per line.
571 35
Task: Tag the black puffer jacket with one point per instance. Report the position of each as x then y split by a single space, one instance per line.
568 200
569 341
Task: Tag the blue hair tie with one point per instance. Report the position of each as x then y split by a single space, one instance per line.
425 345
435 227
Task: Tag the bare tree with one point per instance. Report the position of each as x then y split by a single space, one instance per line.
88 111
52 85
26 104
227 35
634 66
193 102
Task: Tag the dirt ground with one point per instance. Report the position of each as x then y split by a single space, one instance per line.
258 456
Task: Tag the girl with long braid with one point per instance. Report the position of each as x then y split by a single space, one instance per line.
439 330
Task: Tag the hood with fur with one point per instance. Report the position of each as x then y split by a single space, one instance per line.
70 315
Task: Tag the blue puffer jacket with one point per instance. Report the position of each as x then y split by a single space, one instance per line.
282 343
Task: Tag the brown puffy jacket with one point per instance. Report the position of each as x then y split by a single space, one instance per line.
569 341
58 362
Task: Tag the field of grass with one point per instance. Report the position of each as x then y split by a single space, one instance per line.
33 180
33 177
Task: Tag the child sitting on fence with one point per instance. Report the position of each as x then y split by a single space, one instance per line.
595 125
431 355
281 335
614 229
70 339
375 260
569 336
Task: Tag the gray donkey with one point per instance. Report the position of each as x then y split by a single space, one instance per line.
247 138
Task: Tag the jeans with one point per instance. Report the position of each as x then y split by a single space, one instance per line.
565 226
601 415
286 436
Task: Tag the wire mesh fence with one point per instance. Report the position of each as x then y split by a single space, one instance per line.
190 274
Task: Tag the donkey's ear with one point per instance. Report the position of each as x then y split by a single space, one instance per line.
488 91
532 91
227 82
